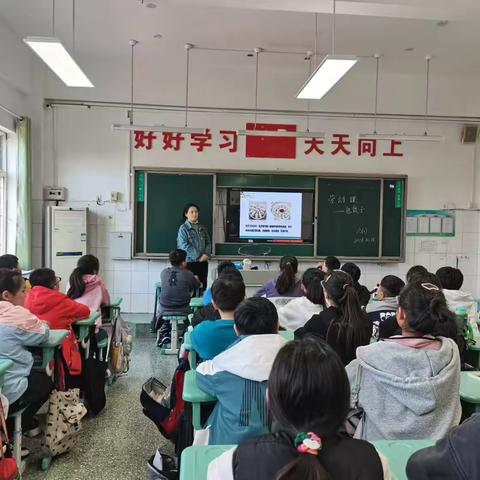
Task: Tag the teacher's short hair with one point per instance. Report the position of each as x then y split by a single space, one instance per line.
177 257
187 207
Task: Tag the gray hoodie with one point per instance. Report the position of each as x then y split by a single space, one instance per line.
407 393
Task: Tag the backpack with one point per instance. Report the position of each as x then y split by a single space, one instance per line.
121 347
166 419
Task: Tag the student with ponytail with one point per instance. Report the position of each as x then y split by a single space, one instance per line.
286 284
408 384
343 324
86 287
308 399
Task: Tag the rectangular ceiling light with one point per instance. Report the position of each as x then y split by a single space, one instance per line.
280 133
403 138
326 75
54 54
157 128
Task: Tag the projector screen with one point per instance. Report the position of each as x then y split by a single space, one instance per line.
270 216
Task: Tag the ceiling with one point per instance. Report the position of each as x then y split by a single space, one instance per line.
389 27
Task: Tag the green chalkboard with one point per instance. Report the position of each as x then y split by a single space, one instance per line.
164 196
348 219
361 218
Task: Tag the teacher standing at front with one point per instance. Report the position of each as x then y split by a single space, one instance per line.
194 238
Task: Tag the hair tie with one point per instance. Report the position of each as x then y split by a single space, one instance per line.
346 285
430 287
308 443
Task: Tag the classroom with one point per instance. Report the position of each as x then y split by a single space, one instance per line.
239 230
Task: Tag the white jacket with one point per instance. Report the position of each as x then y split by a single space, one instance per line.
457 298
296 313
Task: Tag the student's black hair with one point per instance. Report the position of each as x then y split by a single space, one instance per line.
340 288
256 316
414 271
353 270
288 270
392 285
177 257
10 280
332 263
312 281
232 273
226 264
426 309
186 208
308 391
43 277
450 278
228 293
86 265
9 261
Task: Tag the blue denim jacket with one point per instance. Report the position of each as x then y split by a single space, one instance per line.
194 244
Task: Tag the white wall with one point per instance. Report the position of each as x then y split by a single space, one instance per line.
93 160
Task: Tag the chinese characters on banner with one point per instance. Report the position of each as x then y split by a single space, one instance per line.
340 144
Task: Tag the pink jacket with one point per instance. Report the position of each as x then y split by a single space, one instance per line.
96 294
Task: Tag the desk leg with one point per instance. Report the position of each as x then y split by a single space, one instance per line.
192 358
196 414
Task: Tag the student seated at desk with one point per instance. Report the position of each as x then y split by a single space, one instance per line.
286 284
87 288
46 302
362 291
386 305
212 337
209 312
408 385
237 377
451 280
20 329
455 457
308 399
298 311
330 264
343 324
416 271
178 286
221 267
12 263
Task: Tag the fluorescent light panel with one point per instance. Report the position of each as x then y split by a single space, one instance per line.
404 138
54 54
326 75
157 128
280 133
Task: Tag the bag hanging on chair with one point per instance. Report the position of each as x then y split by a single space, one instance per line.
121 346
65 413
8 465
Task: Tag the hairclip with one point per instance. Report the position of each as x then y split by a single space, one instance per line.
308 443
430 286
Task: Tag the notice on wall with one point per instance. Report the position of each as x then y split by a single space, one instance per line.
430 223
271 215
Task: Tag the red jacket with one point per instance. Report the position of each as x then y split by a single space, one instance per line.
60 312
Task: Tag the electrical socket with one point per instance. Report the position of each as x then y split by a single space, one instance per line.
55 194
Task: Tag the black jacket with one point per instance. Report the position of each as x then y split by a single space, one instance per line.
327 325
455 457
344 458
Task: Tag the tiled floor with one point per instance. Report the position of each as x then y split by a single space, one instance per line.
117 444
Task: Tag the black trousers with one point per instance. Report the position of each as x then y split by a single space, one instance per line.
200 269
36 394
